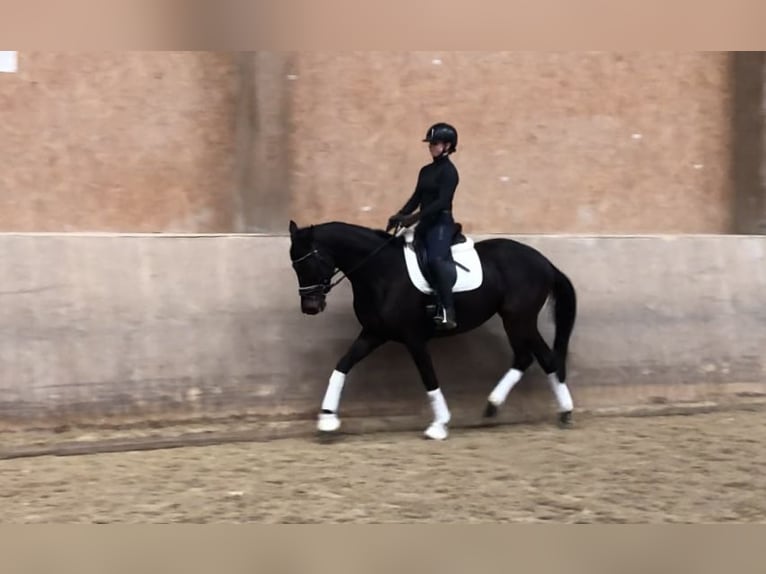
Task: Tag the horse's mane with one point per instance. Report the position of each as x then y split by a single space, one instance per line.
369 233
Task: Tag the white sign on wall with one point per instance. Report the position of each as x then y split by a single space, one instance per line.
8 62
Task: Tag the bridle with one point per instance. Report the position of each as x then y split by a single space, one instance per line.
327 284
324 286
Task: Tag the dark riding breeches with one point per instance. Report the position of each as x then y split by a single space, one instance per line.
438 240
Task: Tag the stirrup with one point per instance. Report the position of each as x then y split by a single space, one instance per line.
442 319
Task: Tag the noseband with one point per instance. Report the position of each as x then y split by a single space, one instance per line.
324 286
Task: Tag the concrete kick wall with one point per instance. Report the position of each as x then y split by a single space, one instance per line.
106 329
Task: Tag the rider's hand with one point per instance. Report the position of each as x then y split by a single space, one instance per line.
407 220
393 221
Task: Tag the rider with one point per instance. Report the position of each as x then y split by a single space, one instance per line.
434 192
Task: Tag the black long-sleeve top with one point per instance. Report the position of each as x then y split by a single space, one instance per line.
435 189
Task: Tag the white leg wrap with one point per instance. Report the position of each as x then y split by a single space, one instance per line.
439 407
561 391
329 422
500 392
334 388
438 429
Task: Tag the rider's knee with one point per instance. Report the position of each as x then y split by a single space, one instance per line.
437 261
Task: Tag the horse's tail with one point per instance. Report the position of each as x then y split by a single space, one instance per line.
565 311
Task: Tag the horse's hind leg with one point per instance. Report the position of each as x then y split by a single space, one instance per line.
548 361
522 359
364 344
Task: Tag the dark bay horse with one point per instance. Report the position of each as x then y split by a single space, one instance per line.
516 282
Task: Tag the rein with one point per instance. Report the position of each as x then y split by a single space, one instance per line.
327 285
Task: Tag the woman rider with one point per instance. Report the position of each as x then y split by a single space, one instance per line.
434 191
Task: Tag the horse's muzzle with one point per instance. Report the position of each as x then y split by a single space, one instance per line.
313 305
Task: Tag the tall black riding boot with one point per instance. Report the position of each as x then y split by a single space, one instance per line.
443 280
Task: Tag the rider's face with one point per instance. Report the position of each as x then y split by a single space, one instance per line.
437 148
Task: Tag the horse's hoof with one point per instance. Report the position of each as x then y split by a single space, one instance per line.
436 431
328 422
565 419
490 410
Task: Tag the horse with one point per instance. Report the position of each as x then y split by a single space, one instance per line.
391 301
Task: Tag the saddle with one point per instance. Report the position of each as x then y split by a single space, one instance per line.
463 256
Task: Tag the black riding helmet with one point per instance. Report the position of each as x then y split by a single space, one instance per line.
442 133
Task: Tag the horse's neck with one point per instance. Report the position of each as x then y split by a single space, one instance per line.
350 249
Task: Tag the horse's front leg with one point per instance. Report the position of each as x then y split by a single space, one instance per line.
364 344
437 430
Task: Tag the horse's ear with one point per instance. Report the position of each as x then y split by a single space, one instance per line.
293 227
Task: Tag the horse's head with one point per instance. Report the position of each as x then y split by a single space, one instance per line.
313 269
